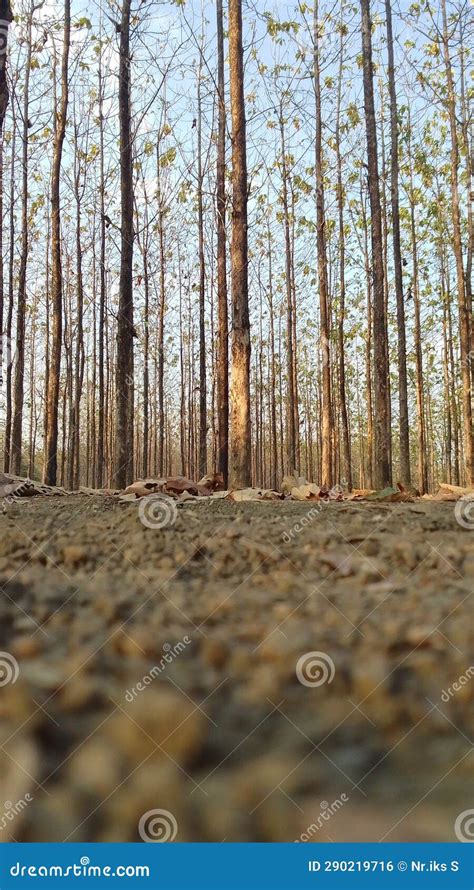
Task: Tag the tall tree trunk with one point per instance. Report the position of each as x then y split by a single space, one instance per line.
382 469
100 468
464 325
222 310
8 329
125 332
161 313
290 391
202 467
52 395
405 469
18 396
240 379
346 444
326 419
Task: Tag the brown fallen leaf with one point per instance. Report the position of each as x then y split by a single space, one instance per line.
143 487
178 484
451 492
254 494
212 482
307 492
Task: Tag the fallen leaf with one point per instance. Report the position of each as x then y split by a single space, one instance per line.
309 491
254 494
392 495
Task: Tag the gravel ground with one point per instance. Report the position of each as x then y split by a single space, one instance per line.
170 669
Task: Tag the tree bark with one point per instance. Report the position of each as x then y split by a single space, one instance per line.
52 395
464 325
125 331
382 468
405 469
222 310
240 378
326 419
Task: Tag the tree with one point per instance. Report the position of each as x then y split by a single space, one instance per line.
463 307
382 469
5 18
405 470
240 377
222 311
327 424
125 330
52 394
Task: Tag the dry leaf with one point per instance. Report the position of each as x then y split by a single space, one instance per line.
309 491
143 487
451 492
254 494
212 482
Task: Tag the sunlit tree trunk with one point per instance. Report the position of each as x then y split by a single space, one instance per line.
240 379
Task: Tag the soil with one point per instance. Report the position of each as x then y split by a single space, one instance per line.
161 668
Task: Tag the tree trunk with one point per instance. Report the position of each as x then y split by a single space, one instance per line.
290 391
346 444
222 311
382 469
240 378
52 395
125 332
405 469
326 419
202 467
464 326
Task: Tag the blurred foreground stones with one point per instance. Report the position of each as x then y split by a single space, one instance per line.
157 669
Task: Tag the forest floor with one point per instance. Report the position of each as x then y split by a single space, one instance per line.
224 608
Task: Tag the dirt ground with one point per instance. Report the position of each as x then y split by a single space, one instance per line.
260 672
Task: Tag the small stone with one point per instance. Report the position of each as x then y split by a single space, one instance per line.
74 555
